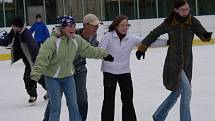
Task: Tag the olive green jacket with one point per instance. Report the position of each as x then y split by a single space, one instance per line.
179 55
56 56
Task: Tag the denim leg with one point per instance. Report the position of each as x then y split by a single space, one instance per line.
80 82
54 92
163 110
185 92
69 89
47 112
185 98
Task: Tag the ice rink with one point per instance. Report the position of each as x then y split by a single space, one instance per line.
149 91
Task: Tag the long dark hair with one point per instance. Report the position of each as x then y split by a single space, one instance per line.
177 4
116 22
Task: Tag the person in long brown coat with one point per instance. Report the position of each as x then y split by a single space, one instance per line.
177 72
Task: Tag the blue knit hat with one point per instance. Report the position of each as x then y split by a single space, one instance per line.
65 20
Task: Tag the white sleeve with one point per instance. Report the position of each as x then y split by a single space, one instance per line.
160 42
104 42
137 39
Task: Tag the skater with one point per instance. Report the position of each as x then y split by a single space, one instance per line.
118 42
23 47
88 32
55 61
40 30
177 72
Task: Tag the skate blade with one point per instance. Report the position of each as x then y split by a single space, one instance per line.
32 103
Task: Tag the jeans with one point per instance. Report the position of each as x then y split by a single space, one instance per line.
185 91
81 91
55 86
126 88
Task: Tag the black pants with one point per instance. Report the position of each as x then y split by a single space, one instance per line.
126 88
31 85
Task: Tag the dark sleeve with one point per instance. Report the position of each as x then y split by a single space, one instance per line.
8 39
31 43
154 34
198 29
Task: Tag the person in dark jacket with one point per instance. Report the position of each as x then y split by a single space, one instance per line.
88 32
23 47
177 72
40 30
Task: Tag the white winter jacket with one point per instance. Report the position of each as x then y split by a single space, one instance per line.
120 50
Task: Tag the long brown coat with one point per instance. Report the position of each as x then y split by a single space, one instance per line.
179 55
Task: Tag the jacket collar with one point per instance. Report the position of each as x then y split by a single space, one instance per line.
187 22
116 36
67 38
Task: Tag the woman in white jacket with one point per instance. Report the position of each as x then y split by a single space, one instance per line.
118 42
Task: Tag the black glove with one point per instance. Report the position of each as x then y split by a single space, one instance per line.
207 35
109 58
139 54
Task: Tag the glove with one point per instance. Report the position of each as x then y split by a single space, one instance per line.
109 58
207 35
139 54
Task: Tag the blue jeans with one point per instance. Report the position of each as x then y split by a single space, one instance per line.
55 87
185 91
81 90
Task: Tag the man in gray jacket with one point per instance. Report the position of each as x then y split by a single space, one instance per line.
88 32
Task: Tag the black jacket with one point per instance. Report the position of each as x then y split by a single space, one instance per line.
179 55
23 45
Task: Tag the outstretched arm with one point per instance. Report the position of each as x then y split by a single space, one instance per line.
150 38
86 50
200 31
8 39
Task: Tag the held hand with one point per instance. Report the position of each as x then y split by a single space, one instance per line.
33 80
109 58
139 54
207 35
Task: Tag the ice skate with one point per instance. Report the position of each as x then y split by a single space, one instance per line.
32 100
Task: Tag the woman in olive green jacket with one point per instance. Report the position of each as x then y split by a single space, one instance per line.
55 61
177 72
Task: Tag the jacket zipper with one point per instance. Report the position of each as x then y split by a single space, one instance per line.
182 46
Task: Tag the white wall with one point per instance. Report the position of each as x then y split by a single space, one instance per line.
143 26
